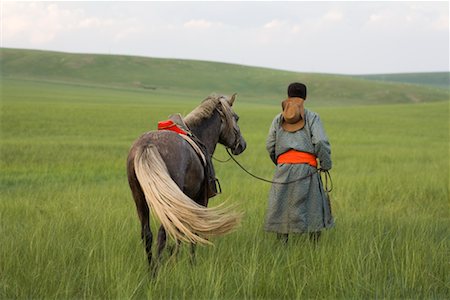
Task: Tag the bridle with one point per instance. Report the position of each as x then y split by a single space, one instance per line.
237 140
226 120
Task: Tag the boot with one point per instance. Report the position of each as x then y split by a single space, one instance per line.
314 237
283 237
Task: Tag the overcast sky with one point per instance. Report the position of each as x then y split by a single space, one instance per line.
325 37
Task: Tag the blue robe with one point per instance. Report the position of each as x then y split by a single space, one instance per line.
302 206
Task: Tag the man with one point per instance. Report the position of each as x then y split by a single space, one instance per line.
295 142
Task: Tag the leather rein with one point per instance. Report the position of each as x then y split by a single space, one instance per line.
328 181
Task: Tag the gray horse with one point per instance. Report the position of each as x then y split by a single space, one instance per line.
166 175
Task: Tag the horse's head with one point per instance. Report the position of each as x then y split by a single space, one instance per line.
230 133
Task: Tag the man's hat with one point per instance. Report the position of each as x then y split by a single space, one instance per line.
293 114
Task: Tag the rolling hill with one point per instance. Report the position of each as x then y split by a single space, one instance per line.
437 79
201 78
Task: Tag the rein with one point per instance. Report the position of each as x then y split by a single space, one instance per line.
221 161
320 171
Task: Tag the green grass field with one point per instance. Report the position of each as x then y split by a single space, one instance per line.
69 229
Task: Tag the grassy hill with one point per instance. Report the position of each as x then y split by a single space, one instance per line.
436 79
199 78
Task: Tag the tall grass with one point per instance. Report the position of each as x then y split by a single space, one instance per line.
68 226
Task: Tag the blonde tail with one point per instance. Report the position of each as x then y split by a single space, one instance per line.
181 217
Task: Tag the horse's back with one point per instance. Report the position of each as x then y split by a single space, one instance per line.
180 159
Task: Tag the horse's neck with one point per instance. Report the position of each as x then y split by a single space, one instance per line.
208 132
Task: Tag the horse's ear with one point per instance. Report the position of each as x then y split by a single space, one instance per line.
231 100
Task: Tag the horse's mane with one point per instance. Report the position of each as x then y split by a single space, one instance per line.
206 109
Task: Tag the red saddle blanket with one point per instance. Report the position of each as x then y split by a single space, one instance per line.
170 125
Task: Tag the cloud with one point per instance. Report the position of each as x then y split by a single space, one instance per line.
275 24
201 24
413 19
37 24
94 22
287 31
441 24
127 32
332 16
15 25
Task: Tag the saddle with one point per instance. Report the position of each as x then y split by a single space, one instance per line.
176 123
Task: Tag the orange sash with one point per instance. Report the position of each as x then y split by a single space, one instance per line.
297 157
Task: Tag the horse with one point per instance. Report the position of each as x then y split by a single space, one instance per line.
166 175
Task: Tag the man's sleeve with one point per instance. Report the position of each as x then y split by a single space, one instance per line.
270 142
321 144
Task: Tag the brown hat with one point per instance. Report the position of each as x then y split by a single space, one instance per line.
293 114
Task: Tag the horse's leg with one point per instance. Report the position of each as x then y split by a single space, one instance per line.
143 213
193 256
201 199
146 233
176 250
162 238
147 237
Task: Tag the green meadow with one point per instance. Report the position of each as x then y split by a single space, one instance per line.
68 224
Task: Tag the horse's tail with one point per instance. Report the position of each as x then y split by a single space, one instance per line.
181 217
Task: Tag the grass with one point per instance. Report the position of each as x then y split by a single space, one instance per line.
68 226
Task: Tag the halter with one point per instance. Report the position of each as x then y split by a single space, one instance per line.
227 119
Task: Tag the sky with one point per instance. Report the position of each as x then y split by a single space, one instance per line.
322 37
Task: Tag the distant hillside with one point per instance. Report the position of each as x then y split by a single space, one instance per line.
201 78
437 79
